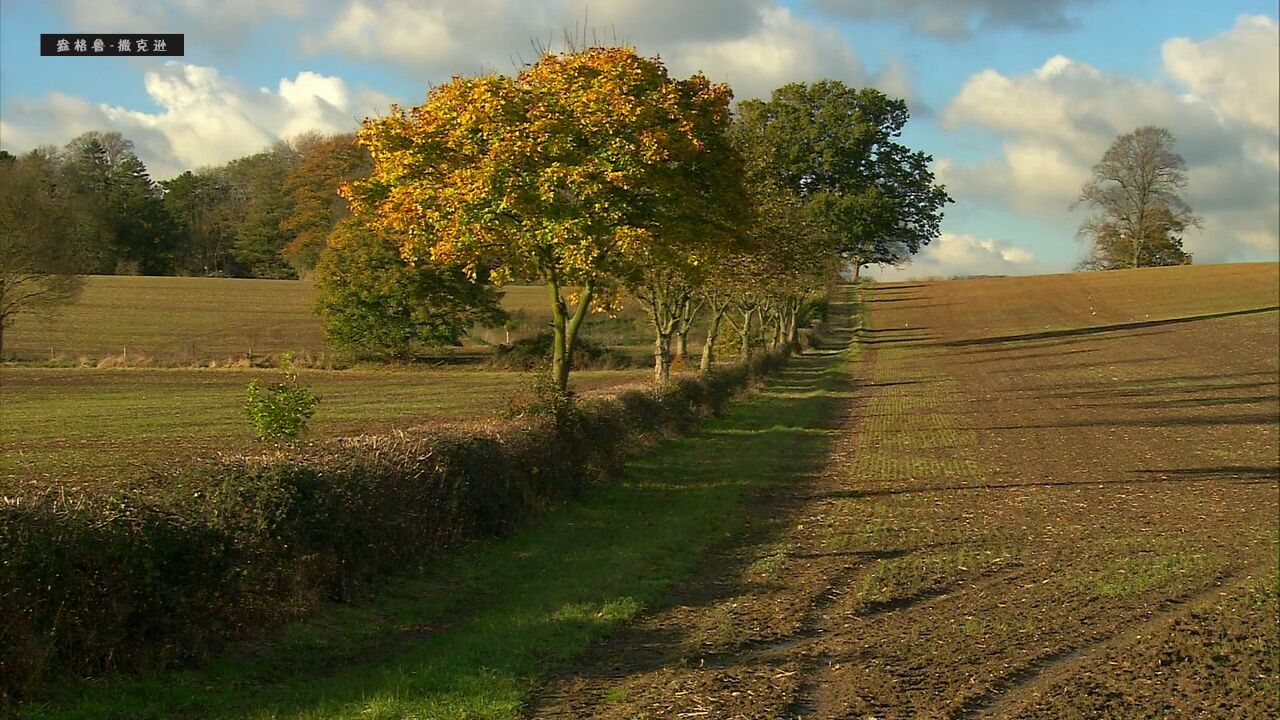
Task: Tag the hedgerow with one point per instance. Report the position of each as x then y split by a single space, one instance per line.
163 569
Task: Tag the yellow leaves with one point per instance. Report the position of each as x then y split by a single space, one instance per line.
500 276
565 167
607 300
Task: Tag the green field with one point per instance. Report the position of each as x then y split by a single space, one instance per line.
79 424
121 379
178 320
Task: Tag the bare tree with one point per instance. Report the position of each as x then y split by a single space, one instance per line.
1136 193
39 253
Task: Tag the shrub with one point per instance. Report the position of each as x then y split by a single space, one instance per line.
375 303
535 352
282 411
542 398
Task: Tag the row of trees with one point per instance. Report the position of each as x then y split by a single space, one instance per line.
592 172
595 173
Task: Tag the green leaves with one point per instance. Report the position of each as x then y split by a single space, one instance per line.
835 147
375 302
281 411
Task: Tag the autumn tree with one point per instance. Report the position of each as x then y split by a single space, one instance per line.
565 172
373 301
1136 193
788 260
40 254
836 148
311 191
702 216
759 286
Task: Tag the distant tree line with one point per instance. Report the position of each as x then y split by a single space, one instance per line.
265 215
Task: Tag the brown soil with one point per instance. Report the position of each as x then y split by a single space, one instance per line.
1051 497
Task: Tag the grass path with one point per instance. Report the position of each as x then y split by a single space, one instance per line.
473 637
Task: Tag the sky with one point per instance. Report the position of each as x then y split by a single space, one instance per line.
1014 99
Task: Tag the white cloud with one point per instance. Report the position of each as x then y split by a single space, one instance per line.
224 24
755 45
781 49
205 118
1057 121
959 254
960 19
1237 72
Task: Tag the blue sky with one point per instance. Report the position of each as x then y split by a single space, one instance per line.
1015 100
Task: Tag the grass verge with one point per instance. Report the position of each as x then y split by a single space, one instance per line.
471 638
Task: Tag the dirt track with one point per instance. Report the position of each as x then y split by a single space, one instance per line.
1051 497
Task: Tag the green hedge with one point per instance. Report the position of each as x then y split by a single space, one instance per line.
164 569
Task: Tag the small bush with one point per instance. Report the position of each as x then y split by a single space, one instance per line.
543 399
282 411
535 352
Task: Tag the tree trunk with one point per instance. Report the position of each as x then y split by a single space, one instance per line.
760 321
688 313
662 358
746 334
792 332
564 330
713 331
857 273
559 358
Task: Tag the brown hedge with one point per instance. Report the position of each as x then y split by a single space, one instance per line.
166 568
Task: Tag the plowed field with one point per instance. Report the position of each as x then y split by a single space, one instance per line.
1049 497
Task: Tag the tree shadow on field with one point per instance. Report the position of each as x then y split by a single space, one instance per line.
1221 472
907 298
896 336
1085 364
1226 474
1172 387
1261 418
1096 329
1186 402
988 356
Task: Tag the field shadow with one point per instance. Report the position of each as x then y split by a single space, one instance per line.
1232 475
1261 418
1097 329
895 336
